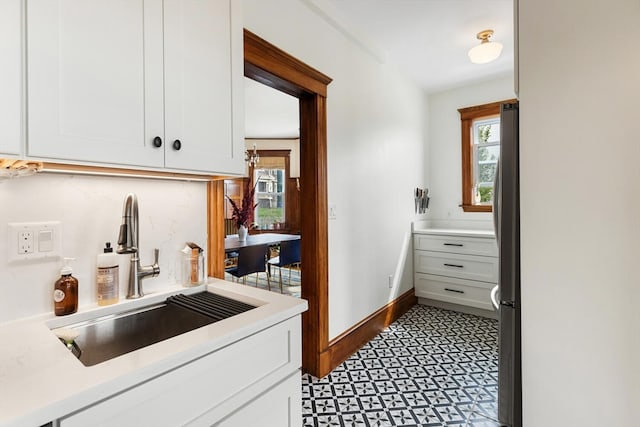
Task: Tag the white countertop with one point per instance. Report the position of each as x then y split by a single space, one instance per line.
455 232
40 380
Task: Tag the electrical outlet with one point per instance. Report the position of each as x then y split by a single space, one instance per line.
25 242
33 241
391 281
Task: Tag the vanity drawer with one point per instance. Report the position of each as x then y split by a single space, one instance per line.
483 246
452 290
471 267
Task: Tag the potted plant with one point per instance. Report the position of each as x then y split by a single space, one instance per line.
243 215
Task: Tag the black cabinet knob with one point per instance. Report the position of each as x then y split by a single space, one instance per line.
157 142
177 145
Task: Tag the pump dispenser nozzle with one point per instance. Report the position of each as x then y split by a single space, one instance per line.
66 269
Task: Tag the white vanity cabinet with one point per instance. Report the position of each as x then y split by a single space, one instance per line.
255 381
135 83
455 267
10 77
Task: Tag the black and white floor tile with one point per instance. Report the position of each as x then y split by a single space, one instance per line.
432 367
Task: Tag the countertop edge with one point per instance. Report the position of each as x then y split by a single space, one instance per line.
456 232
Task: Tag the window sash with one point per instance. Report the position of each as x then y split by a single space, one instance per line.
468 116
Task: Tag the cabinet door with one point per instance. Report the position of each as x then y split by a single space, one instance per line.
10 76
95 80
198 89
281 406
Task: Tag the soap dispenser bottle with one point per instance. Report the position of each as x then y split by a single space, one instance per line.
107 276
65 292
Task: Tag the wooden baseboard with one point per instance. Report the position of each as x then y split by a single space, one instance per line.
350 341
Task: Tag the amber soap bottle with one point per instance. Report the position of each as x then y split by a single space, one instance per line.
65 292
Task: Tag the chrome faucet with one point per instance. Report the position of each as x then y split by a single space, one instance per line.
128 244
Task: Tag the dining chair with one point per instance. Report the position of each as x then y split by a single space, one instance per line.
289 255
251 259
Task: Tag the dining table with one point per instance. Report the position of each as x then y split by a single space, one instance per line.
232 243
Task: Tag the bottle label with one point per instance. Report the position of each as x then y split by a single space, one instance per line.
107 280
58 295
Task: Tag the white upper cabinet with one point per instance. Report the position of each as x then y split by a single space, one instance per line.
197 84
133 82
10 77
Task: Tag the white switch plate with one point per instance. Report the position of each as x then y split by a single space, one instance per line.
332 211
33 241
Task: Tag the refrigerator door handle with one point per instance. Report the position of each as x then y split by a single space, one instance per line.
494 296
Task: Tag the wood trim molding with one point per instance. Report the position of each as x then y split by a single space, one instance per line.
347 343
273 67
314 231
467 116
215 228
274 153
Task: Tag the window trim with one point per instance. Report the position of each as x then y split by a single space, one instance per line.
286 154
467 116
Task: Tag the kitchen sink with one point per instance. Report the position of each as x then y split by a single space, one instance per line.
106 337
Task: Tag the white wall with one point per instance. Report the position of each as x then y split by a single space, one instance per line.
90 209
580 183
445 166
375 157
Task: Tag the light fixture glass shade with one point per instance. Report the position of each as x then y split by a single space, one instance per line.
485 52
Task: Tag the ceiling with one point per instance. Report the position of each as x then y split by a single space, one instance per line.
428 40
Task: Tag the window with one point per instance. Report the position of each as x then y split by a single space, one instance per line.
480 153
270 176
270 198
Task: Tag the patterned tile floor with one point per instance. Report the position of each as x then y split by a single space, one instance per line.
432 367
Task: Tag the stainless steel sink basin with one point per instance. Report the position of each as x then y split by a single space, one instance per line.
110 336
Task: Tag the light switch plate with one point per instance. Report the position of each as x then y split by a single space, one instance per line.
332 211
33 241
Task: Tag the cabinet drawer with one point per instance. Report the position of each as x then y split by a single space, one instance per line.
470 267
462 245
457 291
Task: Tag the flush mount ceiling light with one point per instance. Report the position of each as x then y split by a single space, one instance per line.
486 51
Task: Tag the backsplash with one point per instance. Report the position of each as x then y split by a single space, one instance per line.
90 210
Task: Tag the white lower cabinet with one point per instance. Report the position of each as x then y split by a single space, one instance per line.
256 378
455 269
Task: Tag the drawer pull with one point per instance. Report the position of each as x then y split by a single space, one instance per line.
454 265
454 290
453 244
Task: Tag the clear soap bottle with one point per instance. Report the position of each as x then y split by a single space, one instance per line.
107 277
65 291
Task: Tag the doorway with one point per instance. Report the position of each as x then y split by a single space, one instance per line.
275 68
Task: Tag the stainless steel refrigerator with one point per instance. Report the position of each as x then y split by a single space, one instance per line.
506 295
